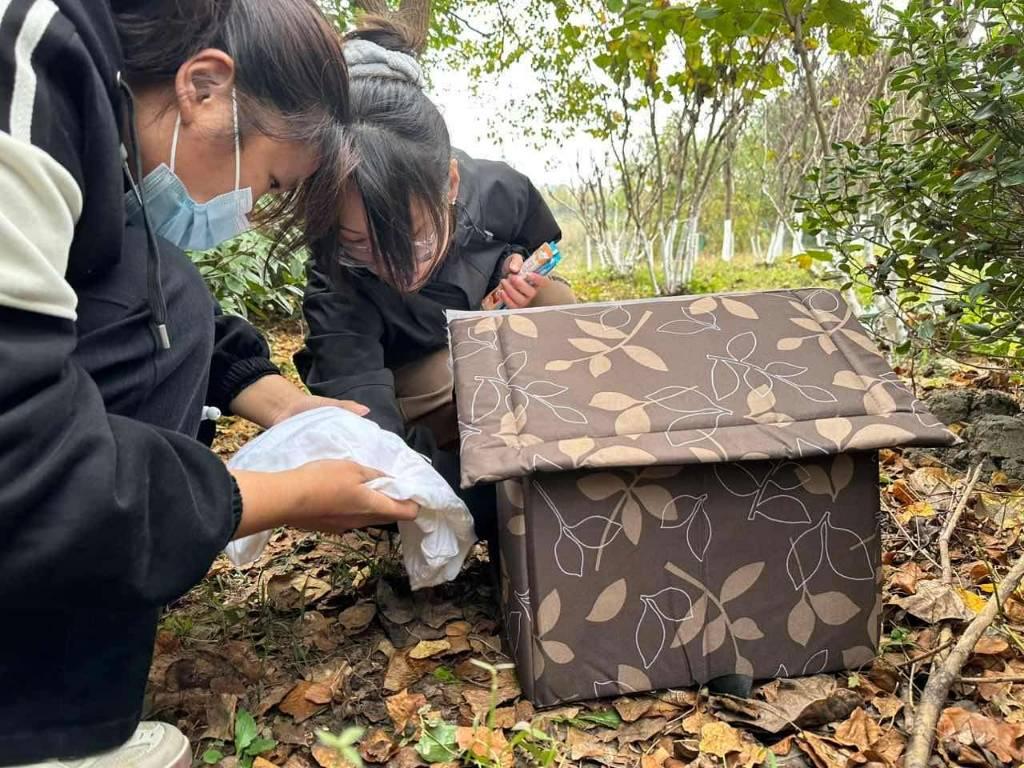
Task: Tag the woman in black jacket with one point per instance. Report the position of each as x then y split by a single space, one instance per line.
111 346
377 335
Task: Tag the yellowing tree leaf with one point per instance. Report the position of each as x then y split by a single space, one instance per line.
917 509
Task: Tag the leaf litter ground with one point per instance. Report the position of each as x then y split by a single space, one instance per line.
321 633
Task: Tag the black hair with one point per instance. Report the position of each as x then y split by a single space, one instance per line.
402 157
290 81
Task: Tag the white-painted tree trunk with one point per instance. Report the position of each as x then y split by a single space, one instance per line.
798 236
777 244
728 241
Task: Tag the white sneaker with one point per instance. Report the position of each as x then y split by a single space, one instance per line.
153 745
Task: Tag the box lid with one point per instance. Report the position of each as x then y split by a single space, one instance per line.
778 374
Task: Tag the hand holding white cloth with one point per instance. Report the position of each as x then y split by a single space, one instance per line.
434 546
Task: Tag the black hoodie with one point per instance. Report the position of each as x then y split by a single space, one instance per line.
103 518
361 330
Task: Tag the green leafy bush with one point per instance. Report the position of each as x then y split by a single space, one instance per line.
248 282
938 189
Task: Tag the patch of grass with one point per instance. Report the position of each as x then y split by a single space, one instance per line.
711 276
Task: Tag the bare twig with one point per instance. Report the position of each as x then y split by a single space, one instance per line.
942 677
925 656
993 679
950 526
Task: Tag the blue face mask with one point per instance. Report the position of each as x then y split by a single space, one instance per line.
178 218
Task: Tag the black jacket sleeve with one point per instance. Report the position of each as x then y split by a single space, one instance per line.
524 216
90 504
241 357
344 353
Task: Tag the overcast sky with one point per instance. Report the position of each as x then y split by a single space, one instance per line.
472 117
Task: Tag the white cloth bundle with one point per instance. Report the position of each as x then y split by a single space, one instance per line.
434 546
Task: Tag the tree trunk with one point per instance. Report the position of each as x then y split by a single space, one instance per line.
372 6
728 239
414 14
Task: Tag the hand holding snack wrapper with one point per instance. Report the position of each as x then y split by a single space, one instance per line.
542 262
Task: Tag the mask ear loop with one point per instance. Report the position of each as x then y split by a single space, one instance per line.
238 140
174 142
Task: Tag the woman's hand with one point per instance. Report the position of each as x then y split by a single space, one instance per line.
272 399
517 290
328 496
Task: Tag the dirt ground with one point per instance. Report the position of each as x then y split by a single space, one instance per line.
321 633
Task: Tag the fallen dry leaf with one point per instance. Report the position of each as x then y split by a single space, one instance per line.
406 757
975 603
904 580
859 731
921 509
376 747
289 592
656 759
358 617
929 482
427 649
631 733
318 693
990 645
402 707
220 717
584 746
823 753
329 758
632 709
958 728
458 629
261 762
298 705
806 702
722 740
403 671
934 602
888 706
485 745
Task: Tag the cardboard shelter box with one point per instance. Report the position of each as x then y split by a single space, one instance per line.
688 487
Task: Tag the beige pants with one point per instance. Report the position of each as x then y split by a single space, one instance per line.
424 389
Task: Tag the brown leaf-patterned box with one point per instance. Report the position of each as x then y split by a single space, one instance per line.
688 487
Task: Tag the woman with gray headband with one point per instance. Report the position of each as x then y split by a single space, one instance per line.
422 229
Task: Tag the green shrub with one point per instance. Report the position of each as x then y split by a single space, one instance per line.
938 189
248 282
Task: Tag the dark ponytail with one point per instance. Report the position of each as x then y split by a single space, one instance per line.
290 81
402 155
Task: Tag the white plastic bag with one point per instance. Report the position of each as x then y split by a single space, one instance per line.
434 546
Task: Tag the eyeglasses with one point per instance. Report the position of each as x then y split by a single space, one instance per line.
360 255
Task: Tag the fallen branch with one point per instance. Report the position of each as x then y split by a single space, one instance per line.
942 677
950 526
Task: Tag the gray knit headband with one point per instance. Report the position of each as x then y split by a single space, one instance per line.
367 59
